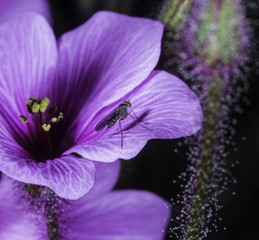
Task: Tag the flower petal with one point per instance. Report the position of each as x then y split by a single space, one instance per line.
102 60
28 56
120 215
69 177
11 8
107 175
14 221
165 107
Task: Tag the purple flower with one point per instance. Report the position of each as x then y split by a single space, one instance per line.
85 75
9 9
101 214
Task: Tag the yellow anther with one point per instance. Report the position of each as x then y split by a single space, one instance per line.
61 116
54 120
33 100
44 104
35 108
33 105
46 127
36 105
57 119
23 119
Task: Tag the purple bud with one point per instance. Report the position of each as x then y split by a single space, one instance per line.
215 38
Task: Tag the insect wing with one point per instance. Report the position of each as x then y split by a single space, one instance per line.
105 121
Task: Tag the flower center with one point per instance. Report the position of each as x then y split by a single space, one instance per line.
42 121
39 107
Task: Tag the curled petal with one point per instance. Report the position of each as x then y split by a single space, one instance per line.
163 106
69 177
101 61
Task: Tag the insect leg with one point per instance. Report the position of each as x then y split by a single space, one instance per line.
138 122
121 134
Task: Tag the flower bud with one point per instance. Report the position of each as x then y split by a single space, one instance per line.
215 37
174 13
214 47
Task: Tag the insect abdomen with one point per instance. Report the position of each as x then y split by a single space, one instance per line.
113 121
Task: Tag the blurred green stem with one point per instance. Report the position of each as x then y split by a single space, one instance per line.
52 222
205 161
49 208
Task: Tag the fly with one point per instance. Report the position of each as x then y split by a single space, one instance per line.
118 114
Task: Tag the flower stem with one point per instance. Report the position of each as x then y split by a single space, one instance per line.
205 162
52 221
45 199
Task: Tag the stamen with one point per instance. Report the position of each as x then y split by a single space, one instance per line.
44 104
46 127
61 116
35 108
35 105
23 119
57 119
42 120
54 120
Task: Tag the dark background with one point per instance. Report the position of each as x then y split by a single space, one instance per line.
161 161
